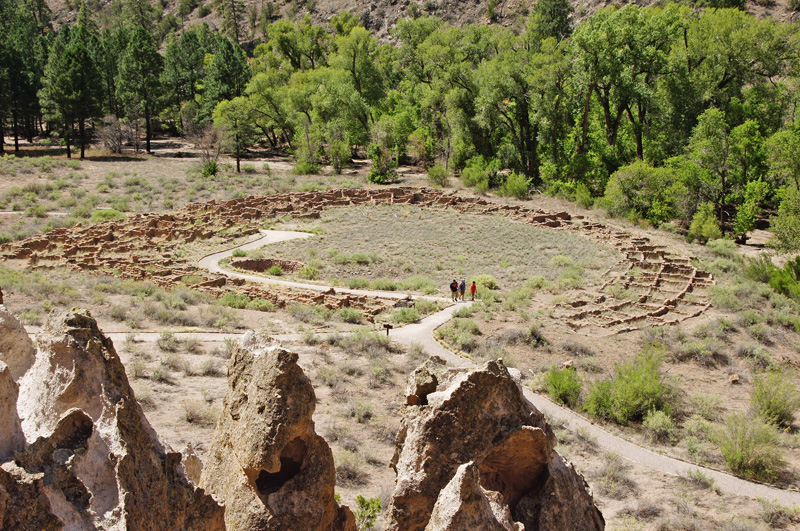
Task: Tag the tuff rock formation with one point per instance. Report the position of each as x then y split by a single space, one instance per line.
16 348
472 451
11 438
90 458
267 465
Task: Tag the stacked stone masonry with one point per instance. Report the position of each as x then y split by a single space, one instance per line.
657 287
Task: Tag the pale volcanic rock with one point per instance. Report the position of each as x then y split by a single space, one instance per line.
16 347
267 465
480 416
12 439
464 504
103 465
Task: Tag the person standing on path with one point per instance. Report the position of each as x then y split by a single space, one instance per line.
454 290
472 289
462 288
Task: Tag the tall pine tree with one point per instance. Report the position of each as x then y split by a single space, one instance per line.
139 78
72 93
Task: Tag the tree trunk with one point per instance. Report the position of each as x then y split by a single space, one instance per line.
147 127
82 136
2 137
722 206
16 130
236 139
585 122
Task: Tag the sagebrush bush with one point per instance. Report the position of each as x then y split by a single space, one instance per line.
406 315
486 281
775 398
349 315
659 425
563 385
634 389
750 447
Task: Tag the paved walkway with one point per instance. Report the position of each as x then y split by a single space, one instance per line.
211 262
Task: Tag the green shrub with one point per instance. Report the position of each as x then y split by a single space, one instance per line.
425 307
305 168
634 389
646 191
211 167
437 176
563 385
418 283
515 185
367 511
704 225
775 398
478 173
349 315
357 283
759 268
486 281
106 214
583 196
724 248
659 425
383 284
261 305
235 300
406 315
308 273
239 253
750 447
275 271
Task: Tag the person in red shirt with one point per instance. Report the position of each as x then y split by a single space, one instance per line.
472 289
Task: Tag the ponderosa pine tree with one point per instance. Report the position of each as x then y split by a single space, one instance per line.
72 93
139 78
227 76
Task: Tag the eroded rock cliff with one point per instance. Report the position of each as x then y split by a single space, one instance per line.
267 465
472 451
85 456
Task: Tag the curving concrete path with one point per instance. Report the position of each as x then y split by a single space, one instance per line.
211 263
422 333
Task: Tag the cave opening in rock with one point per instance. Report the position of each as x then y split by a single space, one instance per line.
293 460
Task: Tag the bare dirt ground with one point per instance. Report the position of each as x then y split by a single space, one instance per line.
359 384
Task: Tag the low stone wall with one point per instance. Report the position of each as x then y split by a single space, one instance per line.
259 265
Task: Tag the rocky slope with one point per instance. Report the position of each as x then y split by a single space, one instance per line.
380 16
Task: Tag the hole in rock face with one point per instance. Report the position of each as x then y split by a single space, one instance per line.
293 460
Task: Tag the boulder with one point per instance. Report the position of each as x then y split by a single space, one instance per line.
16 348
103 465
267 465
479 417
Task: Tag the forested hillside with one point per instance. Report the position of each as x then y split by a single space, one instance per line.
662 113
